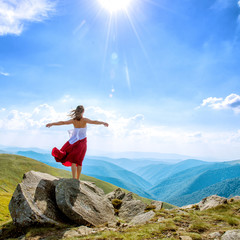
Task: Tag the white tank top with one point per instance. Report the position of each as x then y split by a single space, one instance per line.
77 134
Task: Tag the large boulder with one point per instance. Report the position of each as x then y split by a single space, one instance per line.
130 209
33 201
83 202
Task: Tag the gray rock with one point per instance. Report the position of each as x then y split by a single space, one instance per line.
142 218
215 235
84 203
130 209
157 204
231 235
236 198
128 196
206 203
185 238
78 232
190 206
211 201
33 201
116 194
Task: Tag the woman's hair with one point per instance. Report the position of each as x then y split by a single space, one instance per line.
77 113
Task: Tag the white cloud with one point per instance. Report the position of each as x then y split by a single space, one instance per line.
132 133
230 102
4 74
18 120
15 13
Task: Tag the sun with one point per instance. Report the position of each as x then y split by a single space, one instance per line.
115 5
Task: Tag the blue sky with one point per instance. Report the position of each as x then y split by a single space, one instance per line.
164 74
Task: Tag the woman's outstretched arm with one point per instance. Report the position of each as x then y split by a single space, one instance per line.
59 123
96 122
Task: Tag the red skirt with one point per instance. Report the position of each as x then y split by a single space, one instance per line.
71 153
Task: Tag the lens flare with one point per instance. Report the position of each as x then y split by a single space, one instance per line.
115 5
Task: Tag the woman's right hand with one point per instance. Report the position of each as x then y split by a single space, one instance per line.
105 124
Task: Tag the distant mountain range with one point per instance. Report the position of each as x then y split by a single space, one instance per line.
178 183
227 188
172 189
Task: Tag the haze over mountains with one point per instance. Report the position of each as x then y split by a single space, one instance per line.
180 183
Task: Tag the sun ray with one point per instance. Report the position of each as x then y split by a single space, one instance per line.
138 38
127 76
107 40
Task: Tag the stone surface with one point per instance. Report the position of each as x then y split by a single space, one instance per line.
84 203
116 194
231 235
130 209
236 198
33 201
211 201
215 235
157 204
142 218
81 231
128 197
185 238
161 219
206 203
190 206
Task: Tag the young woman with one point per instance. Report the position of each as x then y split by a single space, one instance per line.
73 151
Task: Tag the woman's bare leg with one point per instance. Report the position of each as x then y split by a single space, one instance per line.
79 169
74 170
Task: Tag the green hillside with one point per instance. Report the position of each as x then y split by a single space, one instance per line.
12 168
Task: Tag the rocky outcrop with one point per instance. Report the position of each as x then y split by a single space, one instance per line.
43 199
33 201
208 202
84 203
119 194
211 201
231 235
116 194
130 209
128 197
